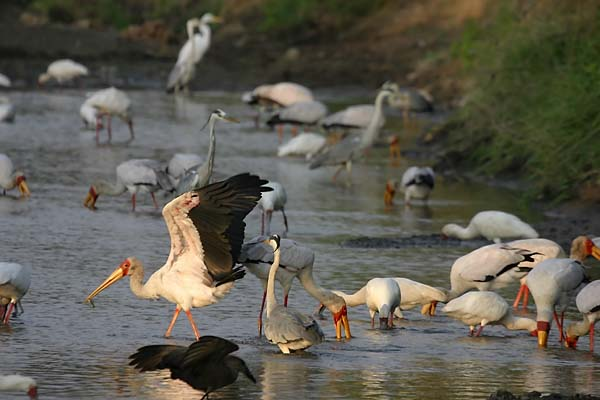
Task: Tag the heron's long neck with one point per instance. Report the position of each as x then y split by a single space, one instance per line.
141 290
373 128
518 323
313 288
110 188
355 299
205 31
271 300
206 169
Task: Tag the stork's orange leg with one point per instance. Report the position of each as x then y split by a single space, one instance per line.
8 311
519 295
525 297
280 133
175 315
194 327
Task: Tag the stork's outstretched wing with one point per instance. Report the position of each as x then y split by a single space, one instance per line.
210 220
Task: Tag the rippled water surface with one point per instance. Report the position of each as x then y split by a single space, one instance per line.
75 351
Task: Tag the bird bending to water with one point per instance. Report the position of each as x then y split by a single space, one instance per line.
273 201
493 225
381 295
303 113
192 51
205 365
588 304
486 308
10 179
417 294
134 176
200 176
554 282
14 283
206 227
305 144
353 146
18 383
285 327
417 183
63 71
109 102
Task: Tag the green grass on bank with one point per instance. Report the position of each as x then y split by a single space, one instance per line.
535 109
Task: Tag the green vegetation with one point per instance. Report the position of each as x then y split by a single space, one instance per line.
535 109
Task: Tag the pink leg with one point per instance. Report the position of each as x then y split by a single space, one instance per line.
518 299
285 300
154 200
8 311
391 319
479 330
294 130
280 133
471 331
373 322
262 307
592 338
175 315
98 125
560 330
525 297
194 327
133 202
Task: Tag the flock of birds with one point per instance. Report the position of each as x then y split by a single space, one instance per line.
205 220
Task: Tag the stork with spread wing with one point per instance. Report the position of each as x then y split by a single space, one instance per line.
207 230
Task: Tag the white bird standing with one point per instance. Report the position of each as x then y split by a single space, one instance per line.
305 144
588 304
4 81
493 225
192 51
273 201
206 227
417 294
134 176
14 283
9 383
381 295
554 282
303 113
417 183
486 308
285 327
353 146
200 176
7 110
10 179
109 102
63 71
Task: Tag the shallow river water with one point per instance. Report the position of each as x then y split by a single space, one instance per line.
75 351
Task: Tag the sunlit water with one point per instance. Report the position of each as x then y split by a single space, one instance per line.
75 351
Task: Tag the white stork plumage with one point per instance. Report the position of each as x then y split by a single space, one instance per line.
273 201
588 304
63 71
134 176
302 113
270 97
206 227
10 179
486 308
381 295
417 294
553 283
14 284
285 327
110 102
4 80
192 51
492 225
417 183
7 110
19 383
305 144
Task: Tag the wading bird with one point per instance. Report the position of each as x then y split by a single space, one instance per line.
305 144
417 294
588 304
417 183
18 383
200 176
205 365
268 98
14 283
206 227
109 102
10 179
285 327
304 113
486 308
134 176
192 51
181 163
381 295
553 283
353 146
63 71
272 201
492 225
